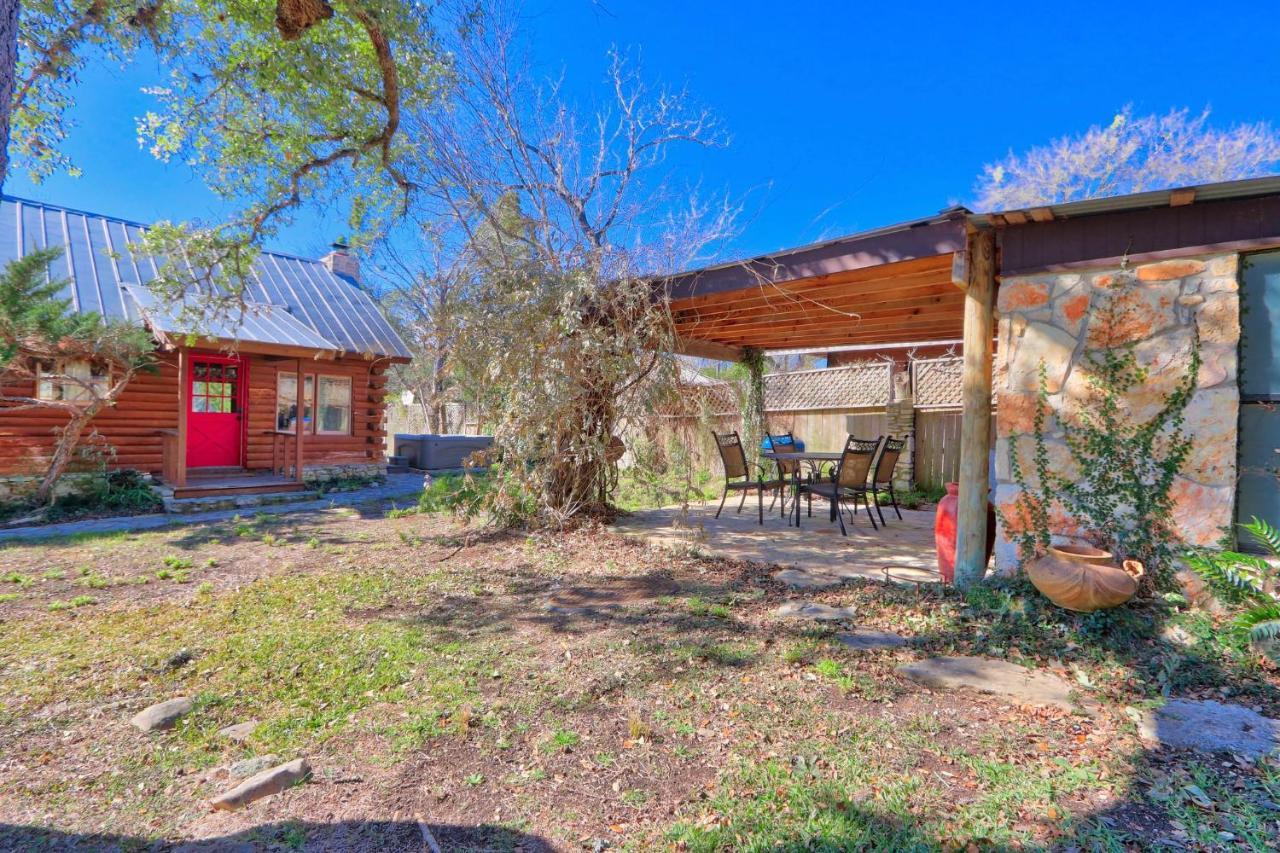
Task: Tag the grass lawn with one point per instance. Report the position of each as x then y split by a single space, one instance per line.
480 684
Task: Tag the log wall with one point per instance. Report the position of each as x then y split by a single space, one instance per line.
150 404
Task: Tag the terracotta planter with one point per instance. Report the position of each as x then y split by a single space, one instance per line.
1082 578
944 532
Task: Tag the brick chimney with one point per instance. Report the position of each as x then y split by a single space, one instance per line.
342 262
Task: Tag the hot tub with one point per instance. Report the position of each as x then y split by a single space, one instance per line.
433 452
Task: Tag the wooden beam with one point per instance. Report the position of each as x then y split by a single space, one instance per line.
1182 197
960 269
301 421
848 327
817 300
184 407
936 295
707 349
1042 214
890 273
975 425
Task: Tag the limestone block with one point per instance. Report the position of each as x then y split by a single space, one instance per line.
1069 312
1016 413
1225 265
1219 319
1042 343
1202 512
1137 312
1169 270
1023 294
1211 421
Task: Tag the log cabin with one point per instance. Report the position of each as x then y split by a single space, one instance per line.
220 414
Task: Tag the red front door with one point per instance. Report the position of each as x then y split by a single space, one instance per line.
214 424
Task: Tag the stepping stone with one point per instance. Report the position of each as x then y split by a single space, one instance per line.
164 715
240 732
867 639
247 767
988 675
264 784
1208 726
813 610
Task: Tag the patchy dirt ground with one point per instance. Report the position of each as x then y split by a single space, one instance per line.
574 691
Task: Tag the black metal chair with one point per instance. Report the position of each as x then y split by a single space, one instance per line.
787 468
734 459
849 483
882 473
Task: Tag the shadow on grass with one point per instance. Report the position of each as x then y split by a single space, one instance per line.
372 835
831 823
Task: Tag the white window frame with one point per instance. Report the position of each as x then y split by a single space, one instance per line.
317 417
309 391
53 386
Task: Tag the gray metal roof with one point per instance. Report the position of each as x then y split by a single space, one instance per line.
291 301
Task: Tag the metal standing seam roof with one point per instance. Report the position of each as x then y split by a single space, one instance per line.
292 301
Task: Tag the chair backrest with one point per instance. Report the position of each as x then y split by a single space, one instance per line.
855 462
784 442
731 454
890 450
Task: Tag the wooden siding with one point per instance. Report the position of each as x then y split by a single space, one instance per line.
150 404
1104 239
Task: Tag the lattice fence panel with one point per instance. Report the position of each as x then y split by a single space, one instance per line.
937 382
854 386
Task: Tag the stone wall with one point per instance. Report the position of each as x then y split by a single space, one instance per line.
1053 319
320 475
900 416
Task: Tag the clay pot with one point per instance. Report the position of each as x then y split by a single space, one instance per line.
1083 578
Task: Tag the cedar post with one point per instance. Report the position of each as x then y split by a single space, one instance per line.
975 427
184 406
301 421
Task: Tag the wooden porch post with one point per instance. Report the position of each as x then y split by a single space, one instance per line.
975 427
184 407
300 420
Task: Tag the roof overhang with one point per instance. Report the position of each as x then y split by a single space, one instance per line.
905 283
890 285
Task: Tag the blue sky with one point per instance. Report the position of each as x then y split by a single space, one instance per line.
843 116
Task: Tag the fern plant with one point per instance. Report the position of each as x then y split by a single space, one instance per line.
1248 582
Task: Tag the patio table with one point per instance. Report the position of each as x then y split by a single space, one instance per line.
810 456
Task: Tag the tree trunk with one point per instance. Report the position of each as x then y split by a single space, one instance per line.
8 73
68 441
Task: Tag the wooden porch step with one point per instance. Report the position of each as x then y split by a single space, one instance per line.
231 484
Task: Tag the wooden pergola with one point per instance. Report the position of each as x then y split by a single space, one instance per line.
928 279
935 278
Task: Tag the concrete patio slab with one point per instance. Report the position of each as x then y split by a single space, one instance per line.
814 557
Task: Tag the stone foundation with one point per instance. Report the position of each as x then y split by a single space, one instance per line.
1052 319
319 475
900 417
20 487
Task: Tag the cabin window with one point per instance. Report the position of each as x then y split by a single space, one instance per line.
334 401
70 380
287 402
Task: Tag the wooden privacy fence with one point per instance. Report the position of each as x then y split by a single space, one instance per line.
937 447
823 407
